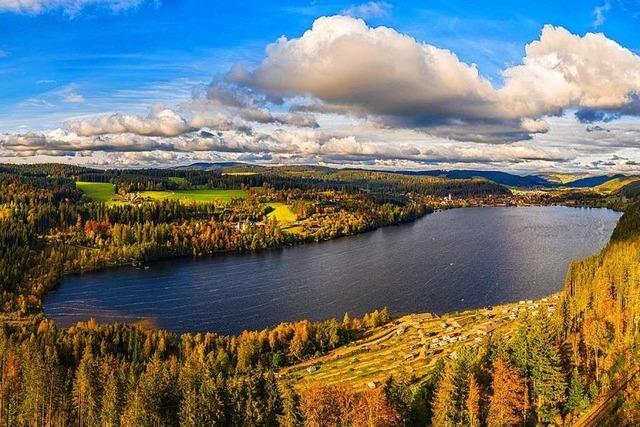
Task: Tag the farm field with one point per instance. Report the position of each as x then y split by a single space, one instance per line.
97 191
207 195
409 346
282 213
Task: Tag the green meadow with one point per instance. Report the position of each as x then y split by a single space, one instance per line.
104 192
282 213
207 195
97 191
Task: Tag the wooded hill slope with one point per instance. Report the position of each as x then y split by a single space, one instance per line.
600 316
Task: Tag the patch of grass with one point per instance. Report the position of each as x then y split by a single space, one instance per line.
204 196
97 191
282 213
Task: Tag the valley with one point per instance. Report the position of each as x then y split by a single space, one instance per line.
60 220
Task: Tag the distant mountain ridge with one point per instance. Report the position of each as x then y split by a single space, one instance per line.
524 181
213 165
502 178
543 180
593 181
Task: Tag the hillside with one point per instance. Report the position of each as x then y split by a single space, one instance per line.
593 181
502 178
545 181
601 312
562 178
616 185
540 362
631 190
410 346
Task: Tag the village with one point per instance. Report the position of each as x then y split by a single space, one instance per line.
410 345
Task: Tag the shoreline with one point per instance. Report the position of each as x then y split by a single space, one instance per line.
435 209
234 253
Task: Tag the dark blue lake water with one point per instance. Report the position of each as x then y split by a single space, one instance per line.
446 261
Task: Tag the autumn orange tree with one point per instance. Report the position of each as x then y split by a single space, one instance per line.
444 400
507 400
472 402
340 405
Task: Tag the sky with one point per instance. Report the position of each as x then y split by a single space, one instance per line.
526 87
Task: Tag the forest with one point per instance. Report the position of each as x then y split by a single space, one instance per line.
548 371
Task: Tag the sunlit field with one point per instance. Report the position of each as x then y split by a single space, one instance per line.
282 213
97 191
209 195
105 192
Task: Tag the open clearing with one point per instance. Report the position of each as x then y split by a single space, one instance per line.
282 213
97 191
206 196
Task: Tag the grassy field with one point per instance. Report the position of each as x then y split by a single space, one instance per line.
282 213
196 195
409 346
97 191
104 192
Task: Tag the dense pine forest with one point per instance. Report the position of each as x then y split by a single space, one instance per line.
549 370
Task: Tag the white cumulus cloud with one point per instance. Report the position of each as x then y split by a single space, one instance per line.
159 122
348 66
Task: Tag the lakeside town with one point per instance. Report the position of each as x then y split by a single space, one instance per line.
410 345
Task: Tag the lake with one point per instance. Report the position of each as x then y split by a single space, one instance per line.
446 261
